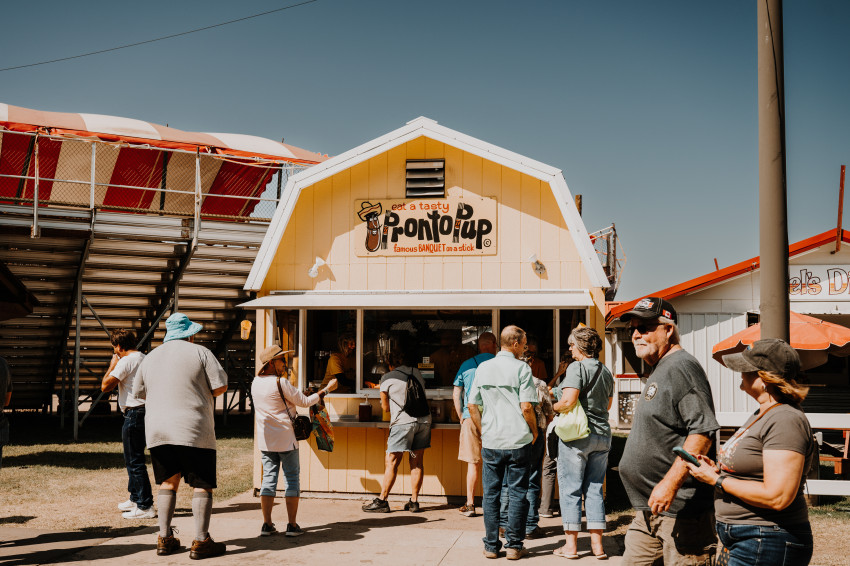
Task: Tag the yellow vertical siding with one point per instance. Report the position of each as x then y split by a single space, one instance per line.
529 221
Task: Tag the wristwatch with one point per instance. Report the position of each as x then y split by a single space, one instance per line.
718 485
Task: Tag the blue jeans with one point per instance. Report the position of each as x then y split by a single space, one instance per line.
291 463
535 475
133 436
762 545
500 466
581 471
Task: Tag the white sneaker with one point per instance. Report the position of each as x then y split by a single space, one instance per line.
137 513
128 505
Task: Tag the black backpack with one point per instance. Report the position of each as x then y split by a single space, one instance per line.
415 403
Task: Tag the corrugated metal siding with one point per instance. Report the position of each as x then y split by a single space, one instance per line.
699 333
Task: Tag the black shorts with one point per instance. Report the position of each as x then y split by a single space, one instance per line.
196 465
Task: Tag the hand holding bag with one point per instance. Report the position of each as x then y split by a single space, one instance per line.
573 425
302 426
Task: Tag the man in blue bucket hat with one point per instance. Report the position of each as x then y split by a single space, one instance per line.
180 380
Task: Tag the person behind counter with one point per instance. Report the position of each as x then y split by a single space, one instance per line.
407 434
759 504
538 366
275 400
341 364
449 356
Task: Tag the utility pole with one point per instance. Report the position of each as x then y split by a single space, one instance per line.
773 208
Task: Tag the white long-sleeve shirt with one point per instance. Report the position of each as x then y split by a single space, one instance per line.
274 424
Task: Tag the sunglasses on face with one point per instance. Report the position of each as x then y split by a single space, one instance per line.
645 327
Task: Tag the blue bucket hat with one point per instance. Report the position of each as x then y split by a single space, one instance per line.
178 327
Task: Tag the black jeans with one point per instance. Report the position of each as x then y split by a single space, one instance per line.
133 435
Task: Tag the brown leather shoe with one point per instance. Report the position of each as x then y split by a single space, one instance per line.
206 549
166 545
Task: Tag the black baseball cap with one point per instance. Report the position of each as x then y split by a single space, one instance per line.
650 307
771 354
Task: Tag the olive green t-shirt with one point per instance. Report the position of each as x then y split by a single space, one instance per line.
784 427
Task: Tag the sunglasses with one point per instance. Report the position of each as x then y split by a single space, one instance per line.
645 327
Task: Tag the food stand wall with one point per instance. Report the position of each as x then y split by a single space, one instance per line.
530 210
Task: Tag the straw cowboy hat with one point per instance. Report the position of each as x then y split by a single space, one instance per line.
272 352
178 327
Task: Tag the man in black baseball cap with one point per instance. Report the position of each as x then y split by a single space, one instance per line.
675 409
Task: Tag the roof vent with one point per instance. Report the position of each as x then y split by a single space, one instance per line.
426 178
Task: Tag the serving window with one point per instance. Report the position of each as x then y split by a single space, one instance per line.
435 341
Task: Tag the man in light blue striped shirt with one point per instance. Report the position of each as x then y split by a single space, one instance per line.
501 404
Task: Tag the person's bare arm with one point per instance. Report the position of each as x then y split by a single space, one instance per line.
109 382
457 397
610 402
664 493
385 402
8 399
530 418
783 470
475 415
569 397
219 390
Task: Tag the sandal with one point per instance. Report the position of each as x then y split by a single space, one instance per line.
602 556
563 553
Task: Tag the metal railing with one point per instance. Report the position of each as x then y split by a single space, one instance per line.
48 170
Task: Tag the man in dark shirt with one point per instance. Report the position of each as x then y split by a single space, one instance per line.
674 518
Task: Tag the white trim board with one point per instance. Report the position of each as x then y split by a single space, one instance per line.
400 299
424 127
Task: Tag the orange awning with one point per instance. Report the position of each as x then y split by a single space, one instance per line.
813 339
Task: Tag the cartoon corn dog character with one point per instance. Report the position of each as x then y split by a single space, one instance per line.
370 214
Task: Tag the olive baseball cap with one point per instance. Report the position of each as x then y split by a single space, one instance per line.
649 308
771 354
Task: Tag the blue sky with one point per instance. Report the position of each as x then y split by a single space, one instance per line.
649 108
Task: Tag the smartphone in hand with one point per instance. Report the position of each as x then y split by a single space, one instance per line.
685 455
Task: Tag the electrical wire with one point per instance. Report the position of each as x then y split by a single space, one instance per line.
158 38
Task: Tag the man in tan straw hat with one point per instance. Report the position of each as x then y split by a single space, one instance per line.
180 381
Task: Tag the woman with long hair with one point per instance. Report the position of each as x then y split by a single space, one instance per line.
759 505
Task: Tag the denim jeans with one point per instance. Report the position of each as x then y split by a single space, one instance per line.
291 463
498 466
581 471
760 545
533 494
133 435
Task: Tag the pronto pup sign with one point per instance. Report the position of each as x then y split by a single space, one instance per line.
452 225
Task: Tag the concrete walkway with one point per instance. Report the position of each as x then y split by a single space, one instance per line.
337 533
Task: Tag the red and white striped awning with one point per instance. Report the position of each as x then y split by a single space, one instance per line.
118 129
130 163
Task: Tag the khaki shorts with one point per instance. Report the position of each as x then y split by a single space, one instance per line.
469 449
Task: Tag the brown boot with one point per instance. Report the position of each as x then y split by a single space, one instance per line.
206 549
166 545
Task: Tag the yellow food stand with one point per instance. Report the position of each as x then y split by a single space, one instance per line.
419 240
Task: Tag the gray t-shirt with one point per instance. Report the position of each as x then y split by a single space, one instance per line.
675 403
783 427
177 380
5 388
394 384
594 400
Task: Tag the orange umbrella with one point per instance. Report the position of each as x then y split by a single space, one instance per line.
813 339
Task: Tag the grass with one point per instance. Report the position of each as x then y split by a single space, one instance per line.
51 482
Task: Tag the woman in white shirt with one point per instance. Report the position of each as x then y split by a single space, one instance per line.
275 436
